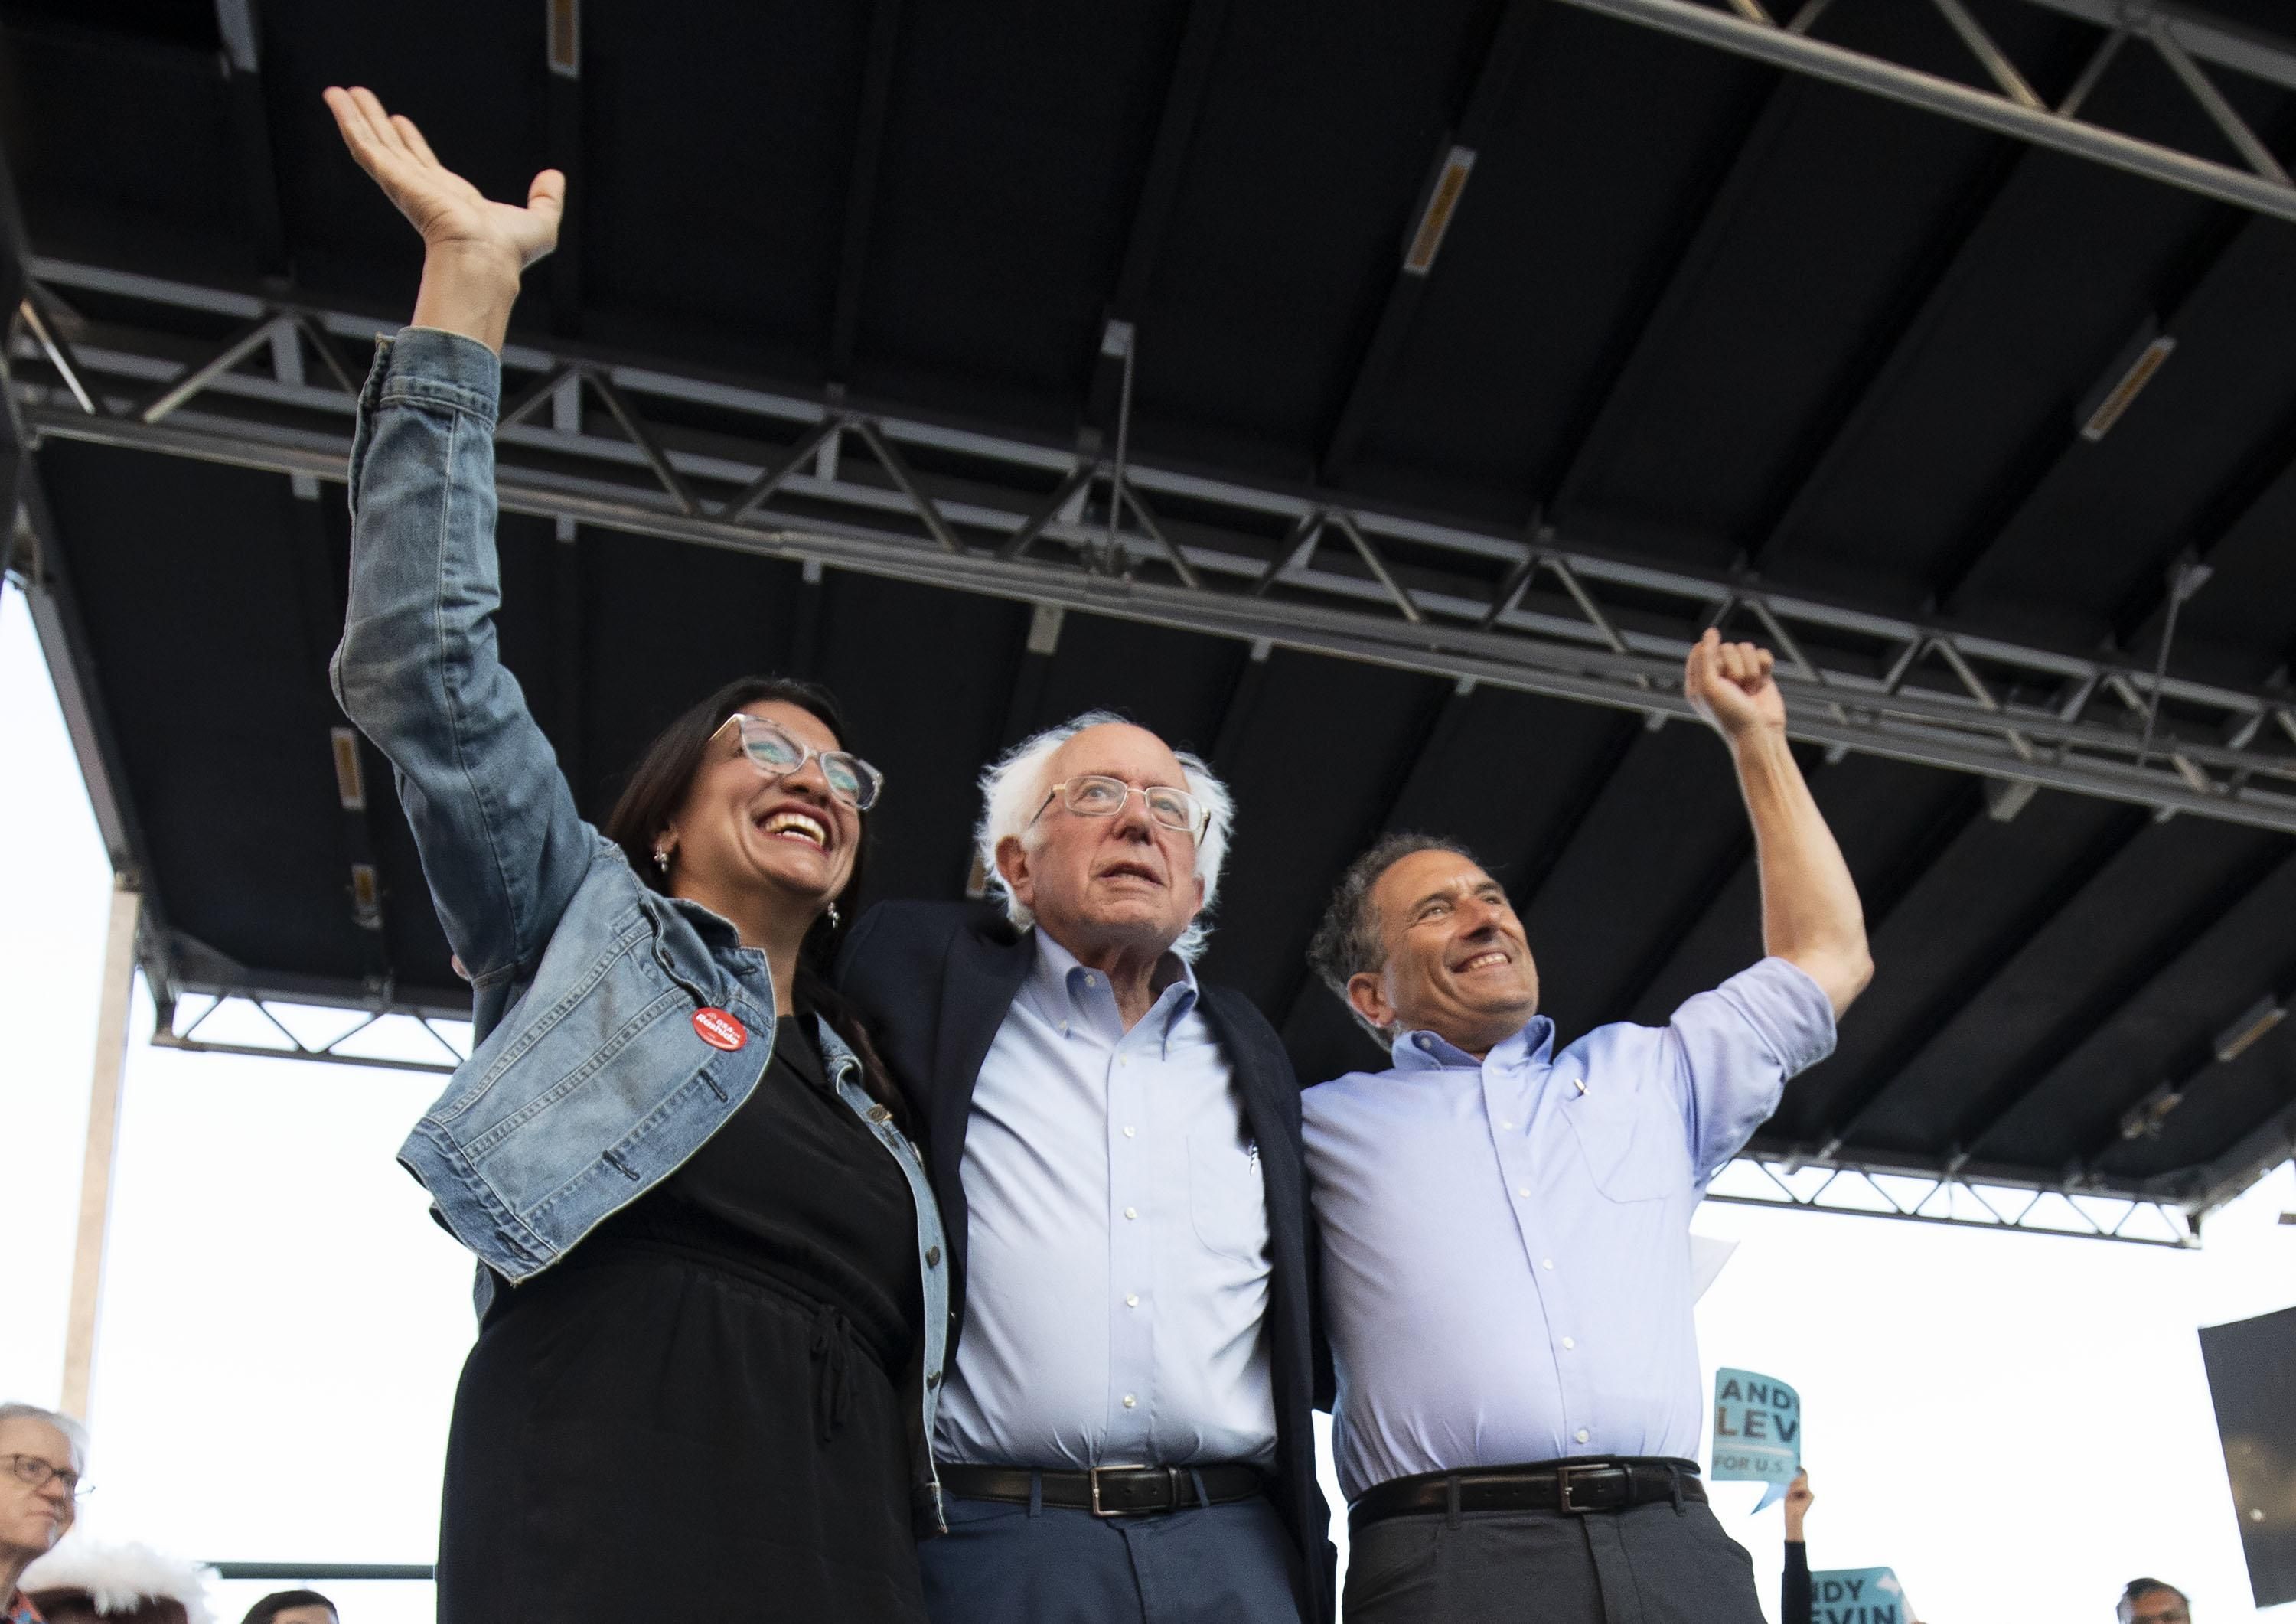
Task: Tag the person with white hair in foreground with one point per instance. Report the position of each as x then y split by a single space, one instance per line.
1125 1431
45 1454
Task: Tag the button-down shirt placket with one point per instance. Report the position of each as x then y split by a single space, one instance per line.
1512 1095
1140 1165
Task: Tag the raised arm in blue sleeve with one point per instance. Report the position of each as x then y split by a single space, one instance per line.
417 669
1735 1048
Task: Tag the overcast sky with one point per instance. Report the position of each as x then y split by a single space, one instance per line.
2016 1424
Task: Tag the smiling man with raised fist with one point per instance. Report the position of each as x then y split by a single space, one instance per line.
1506 1261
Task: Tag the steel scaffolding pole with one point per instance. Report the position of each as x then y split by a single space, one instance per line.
103 1148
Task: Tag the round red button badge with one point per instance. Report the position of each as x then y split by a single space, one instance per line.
719 1030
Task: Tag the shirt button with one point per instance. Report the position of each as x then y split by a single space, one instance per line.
1580 1435
933 1379
932 1257
1568 1343
1124 1060
1524 1191
1546 1263
1129 1130
1064 1029
1132 1299
1132 1212
1506 1124
878 1113
1425 1042
1090 980
1130 1402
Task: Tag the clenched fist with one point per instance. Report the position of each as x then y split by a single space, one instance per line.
1729 684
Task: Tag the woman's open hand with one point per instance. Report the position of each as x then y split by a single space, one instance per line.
474 248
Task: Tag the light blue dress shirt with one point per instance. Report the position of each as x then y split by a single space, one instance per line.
1507 1251
1116 1279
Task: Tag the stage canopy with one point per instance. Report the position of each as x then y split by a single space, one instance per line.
1376 399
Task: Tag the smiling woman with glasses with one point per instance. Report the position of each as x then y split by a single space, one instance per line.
711 1286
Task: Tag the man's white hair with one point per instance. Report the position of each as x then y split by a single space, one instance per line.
75 1434
1013 788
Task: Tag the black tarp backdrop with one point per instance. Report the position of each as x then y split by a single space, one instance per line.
2251 1365
1690 311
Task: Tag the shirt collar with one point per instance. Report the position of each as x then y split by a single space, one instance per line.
1428 1051
1064 984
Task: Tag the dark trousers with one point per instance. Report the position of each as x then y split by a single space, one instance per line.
1008 1564
1652 1564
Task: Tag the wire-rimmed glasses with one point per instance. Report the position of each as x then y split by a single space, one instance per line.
1097 795
33 1470
777 754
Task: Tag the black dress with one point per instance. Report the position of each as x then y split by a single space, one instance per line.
699 1414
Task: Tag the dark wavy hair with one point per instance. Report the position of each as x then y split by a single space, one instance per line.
1348 941
279 1600
658 787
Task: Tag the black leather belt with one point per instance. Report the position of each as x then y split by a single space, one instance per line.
1108 1491
1573 1487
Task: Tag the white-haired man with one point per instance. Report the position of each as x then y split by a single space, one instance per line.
45 1454
1124 1428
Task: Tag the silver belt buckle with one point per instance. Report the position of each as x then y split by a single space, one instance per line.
1092 1474
1562 1475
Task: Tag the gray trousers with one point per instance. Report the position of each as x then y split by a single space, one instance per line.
1650 1564
1003 1563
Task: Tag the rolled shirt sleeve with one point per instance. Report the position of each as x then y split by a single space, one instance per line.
1736 1047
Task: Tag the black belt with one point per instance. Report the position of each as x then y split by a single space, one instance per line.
1107 1491
1573 1487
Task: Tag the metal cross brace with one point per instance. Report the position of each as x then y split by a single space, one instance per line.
699 459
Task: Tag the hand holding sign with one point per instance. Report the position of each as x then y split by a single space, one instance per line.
1757 1431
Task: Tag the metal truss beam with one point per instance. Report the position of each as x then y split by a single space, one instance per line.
339 1044
1920 1196
1970 1199
2183 39
943 506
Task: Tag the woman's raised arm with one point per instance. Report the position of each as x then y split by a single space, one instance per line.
503 846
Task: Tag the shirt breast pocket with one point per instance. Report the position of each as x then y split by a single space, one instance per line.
1227 1202
1632 1151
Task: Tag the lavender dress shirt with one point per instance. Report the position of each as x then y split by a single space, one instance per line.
1506 1254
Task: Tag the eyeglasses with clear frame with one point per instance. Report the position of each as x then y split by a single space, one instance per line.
776 754
31 1469
1097 795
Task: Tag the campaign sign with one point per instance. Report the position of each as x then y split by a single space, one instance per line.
1857 1596
1757 1431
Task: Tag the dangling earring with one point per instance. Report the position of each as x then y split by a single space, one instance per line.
832 917
662 858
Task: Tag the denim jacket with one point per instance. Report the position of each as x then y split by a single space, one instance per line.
589 1082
